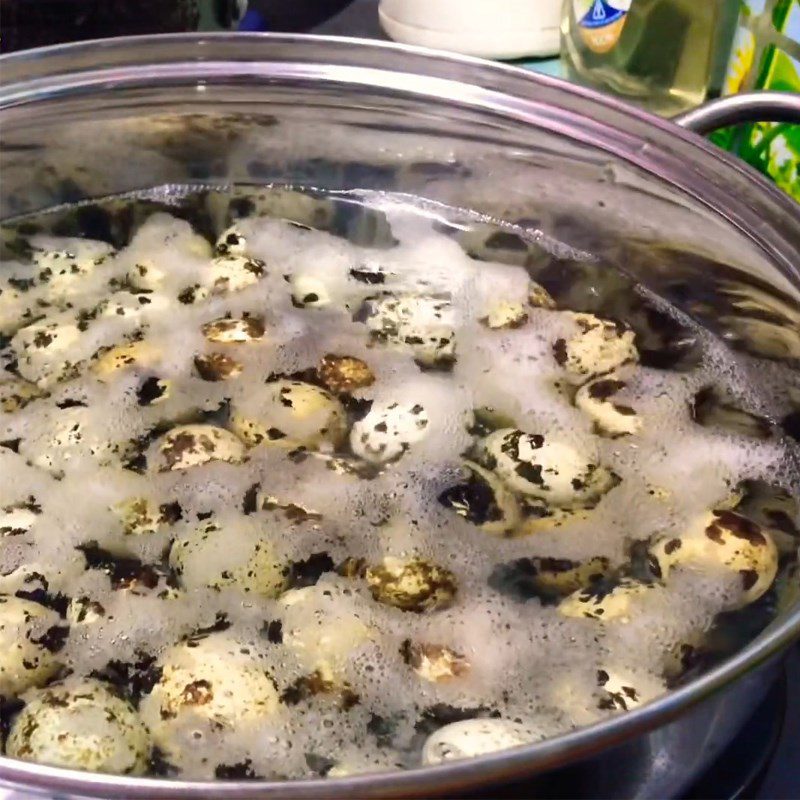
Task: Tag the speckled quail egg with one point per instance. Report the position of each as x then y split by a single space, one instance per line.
308 291
16 393
538 516
227 552
435 663
80 725
61 269
229 330
600 346
505 314
29 635
473 737
724 538
485 501
606 604
620 692
18 518
132 305
548 579
106 363
47 351
411 585
217 367
344 374
189 446
322 625
388 431
140 516
424 324
231 273
145 275
546 468
72 440
231 242
208 683
610 418
290 414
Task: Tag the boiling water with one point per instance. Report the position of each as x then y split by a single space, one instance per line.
715 432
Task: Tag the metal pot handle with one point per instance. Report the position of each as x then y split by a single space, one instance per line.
738 108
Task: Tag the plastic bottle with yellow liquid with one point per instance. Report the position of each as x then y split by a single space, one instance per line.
659 54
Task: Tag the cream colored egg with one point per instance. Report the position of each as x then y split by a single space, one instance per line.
473 737
81 725
209 683
26 644
618 604
108 362
308 291
188 446
600 346
610 418
412 585
546 468
231 242
232 273
47 351
388 431
232 552
322 625
505 315
290 414
230 330
723 538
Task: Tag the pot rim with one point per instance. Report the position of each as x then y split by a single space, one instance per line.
464 83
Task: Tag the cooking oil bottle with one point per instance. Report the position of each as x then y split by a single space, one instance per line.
658 54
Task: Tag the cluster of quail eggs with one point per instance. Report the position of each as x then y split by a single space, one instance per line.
80 321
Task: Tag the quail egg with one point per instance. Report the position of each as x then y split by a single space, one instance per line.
16 393
388 431
132 305
505 315
322 625
61 269
18 518
473 737
600 346
344 374
231 273
546 468
47 351
538 516
29 635
485 501
140 516
208 683
309 291
610 418
227 552
84 611
600 602
231 242
189 446
539 297
424 324
109 361
290 414
217 367
412 585
435 663
727 539
619 692
146 276
80 725
548 579
228 330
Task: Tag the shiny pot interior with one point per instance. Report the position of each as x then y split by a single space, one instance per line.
96 119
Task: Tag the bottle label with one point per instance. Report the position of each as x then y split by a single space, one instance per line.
600 22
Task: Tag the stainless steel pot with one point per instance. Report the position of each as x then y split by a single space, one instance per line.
108 117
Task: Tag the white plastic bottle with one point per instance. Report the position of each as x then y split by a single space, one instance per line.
488 28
